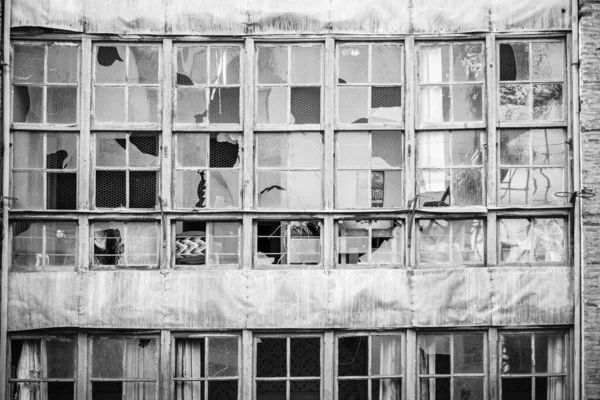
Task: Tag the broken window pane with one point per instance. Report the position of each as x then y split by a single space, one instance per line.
435 355
549 353
386 105
450 168
110 64
532 240
306 105
370 242
36 245
514 61
126 244
451 242
532 167
272 105
207 243
27 105
288 243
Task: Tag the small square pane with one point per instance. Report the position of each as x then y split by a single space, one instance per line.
107 358
272 64
61 105
468 62
61 244
386 149
111 189
389 389
352 189
353 150
548 102
272 105
549 240
305 356
143 105
63 64
306 65
110 104
353 64
353 105
387 64
143 151
550 388
143 64
224 188
517 388
434 351
27 105
61 152
110 64
548 61
28 64
305 105
467 103
143 243
143 187
141 355
353 389
434 64
222 357
27 244
468 353
185 390
548 146
353 356
514 61
272 189
191 105
224 105
549 353
435 388
516 354
469 388
28 189
28 150
272 150
386 355
386 105
435 104
110 150
306 150
140 390
189 358
191 65
305 390
514 102
299 197
218 390
191 150
224 66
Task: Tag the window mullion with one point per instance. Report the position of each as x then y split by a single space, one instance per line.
165 158
81 374
409 116
248 174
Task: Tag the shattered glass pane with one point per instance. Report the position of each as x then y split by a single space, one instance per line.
435 104
223 248
190 249
352 189
272 64
514 102
110 64
191 65
434 64
141 243
27 105
191 188
305 242
353 105
224 65
110 104
28 189
467 242
386 149
386 105
61 105
224 105
143 151
387 64
516 354
514 61
271 242
306 150
353 64
467 101
353 242
191 106
306 64
288 242
143 64
28 150
434 187
548 61
63 64
299 196
61 152
27 244
191 150
272 191
272 105
455 242
224 189
386 242
272 150
548 102
468 354
110 150
391 185
434 354
28 64
468 62
225 150
549 240
305 105
353 150
143 105
515 241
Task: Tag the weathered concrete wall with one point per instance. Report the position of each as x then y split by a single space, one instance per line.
590 141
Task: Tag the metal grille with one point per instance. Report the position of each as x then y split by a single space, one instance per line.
386 97
142 189
62 105
61 192
111 189
224 106
306 105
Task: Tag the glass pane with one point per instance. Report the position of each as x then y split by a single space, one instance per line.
191 65
107 390
468 388
305 105
307 150
467 187
548 62
109 243
514 61
549 240
435 389
468 354
272 189
546 182
434 187
224 189
61 243
272 64
61 152
386 149
515 147
549 353
550 388
272 105
61 106
353 64
305 357
270 390
107 358
271 357
187 390
468 62
434 64
305 390
189 358
514 186
353 356
60 390
548 102
141 358
222 357
352 189
110 150
110 66
142 248
515 243
467 101
353 105
387 64
435 104
143 151
353 389
27 244
140 390
110 104
304 245
387 389
514 102
27 105
548 146
434 354
386 105
386 355
190 188
218 390
28 150
224 106
63 64
143 64
191 106
272 149
517 388
299 197
386 189
28 189
28 64
143 105
353 242
353 150
224 65
191 150
386 242
516 354
306 64
25 360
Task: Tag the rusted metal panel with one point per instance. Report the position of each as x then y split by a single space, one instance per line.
445 16
66 15
125 16
287 299
377 298
451 297
209 299
122 299
224 17
531 15
274 16
43 300
532 296
377 16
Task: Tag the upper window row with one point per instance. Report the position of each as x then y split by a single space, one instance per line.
288 83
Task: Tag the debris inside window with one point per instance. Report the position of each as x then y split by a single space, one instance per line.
444 242
289 84
450 168
451 80
288 164
370 242
532 240
208 170
532 167
288 243
369 169
125 244
39 245
207 243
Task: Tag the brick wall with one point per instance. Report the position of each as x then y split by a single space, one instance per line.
590 139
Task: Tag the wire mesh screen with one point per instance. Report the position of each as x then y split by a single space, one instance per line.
224 150
142 189
386 97
386 64
111 189
514 61
224 106
61 106
61 191
306 105
143 151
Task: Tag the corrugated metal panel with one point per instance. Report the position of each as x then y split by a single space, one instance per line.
287 299
43 300
451 297
375 16
215 299
374 298
451 16
64 14
189 17
532 296
125 16
531 15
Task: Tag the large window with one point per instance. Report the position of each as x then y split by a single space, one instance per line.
46 245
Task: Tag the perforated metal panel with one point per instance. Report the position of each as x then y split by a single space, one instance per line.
224 105
306 105
386 97
142 189
111 189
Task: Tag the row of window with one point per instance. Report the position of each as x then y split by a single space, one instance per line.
369 169
522 240
367 366
207 83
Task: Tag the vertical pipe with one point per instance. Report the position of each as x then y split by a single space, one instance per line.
6 107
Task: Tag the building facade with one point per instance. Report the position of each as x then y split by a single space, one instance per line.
326 200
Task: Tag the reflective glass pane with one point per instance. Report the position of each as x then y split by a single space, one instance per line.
224 65
222 356
549 240
548 102
468 354
468 62
143 64
514 102
516 357
434 354
353 356
514 61
191 105
548 61
515 242
549 353
28 64
107 358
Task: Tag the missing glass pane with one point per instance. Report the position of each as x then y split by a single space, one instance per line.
288 243
306 105
451 242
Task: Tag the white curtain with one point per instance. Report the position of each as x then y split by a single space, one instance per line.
390 353
188 364
29 367
140 362
556 351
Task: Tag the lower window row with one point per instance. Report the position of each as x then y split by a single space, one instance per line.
369 366
439 242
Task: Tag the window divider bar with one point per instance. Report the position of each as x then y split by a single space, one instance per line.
85 89
492 364
328 365
167 133
492 244
248 176
247 372
409 115
491 74
328 239
411 384
164 369
84 244
81 377
329 107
